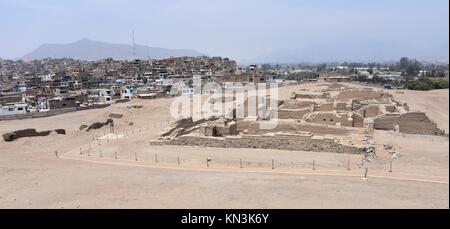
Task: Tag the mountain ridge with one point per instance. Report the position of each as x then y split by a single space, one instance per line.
87 49
364 51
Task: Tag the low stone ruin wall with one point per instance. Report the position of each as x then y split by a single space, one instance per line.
97 125
362 94
179 127
369 111
292 104
300 142
329 118
409 123
293 113
8 137
252 128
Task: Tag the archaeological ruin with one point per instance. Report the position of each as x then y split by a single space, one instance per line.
338 119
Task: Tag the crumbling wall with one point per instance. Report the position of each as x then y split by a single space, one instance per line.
181 125
342 107
305 142
369 111
386 122
293 113
417 123
330 118
303 96
390 108
358 120
252 128
410 123
219 128
362 94
325 107
292 104
8 137
98 125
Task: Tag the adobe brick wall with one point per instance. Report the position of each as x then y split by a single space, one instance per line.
369 111
293 113
410 123
362 94
290 127
329 118
304 142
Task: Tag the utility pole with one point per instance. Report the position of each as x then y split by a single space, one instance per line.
134 46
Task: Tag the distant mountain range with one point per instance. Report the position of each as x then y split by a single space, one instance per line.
86 49
362 51
338 51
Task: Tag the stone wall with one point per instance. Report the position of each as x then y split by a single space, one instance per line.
362 94
292 113
325 107
304 142
252 128
181 125
410 123
369 111
386 122
329 118
358 120
292 104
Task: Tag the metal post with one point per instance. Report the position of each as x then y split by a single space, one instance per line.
365 173
115 155
135 156
81 152
207 162
273 164
314 165
241 163
56 153
390 167
348 165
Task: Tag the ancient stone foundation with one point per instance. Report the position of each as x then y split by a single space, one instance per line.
300 141
409 123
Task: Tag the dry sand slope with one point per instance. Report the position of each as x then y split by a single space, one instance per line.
32 177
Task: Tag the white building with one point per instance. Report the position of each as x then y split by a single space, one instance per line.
47 78
104 96
125 93
13 109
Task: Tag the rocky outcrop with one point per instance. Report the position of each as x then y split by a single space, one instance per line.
8 137
115 116
98 125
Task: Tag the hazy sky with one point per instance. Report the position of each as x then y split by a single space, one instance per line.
239 29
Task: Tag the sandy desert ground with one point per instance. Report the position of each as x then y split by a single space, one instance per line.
32 176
